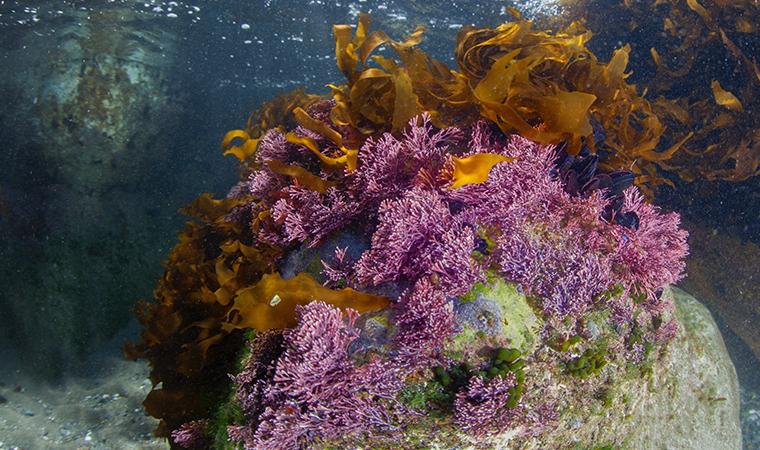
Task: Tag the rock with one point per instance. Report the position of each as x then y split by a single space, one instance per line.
693 398
688 398
689 401
91 123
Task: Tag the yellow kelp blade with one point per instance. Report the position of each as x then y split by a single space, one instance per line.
308 122
405 106
346 49
329 164
306 178
725 98
475 169
245 150
271 303
566 112
208 209
494 87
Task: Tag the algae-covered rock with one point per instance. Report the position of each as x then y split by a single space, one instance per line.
688 397
499 309
689 400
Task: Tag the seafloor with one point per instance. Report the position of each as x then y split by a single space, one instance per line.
99 409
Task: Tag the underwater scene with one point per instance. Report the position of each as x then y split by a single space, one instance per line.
380 224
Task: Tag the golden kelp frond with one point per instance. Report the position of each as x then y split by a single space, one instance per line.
308 122
405 106
475 169
182 335
304 177
478 48
374 100
725 98
723 143
699 9
346 48
523 78
274 113
516 76
439 91
243 151
272 302
712 109
329 164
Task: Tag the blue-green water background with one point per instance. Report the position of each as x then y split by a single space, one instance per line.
223 58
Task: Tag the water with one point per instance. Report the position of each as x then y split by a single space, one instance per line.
112 115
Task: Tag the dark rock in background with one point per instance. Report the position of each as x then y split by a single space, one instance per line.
86 139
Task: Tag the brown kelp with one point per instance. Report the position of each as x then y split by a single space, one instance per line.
545 86
698 62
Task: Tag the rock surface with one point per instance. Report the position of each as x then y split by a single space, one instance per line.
690 401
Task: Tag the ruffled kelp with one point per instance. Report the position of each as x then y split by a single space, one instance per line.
545 86
701 72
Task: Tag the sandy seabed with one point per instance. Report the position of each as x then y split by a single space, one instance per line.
98 409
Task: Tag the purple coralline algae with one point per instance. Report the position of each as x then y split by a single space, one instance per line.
434 244
317 390
481 405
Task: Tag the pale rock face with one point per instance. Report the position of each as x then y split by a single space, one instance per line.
694 399
690 401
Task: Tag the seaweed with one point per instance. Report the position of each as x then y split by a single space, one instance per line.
701 72
218 283
221 280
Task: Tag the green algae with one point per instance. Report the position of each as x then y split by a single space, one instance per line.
520 324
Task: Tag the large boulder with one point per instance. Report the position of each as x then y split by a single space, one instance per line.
688 397
691 399
82 218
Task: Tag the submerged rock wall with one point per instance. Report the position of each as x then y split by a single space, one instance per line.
86 142
691 399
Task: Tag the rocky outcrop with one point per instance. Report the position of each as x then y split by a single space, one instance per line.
692 398
86 125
